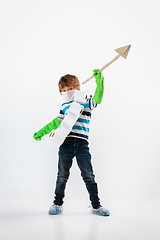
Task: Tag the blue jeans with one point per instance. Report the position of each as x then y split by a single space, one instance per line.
75 147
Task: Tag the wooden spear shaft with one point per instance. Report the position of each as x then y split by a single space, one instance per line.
100 70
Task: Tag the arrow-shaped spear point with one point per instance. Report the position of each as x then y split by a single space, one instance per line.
123 51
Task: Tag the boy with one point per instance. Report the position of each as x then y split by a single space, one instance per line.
76 143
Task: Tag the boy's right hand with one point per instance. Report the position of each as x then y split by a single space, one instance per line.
37 136
54 124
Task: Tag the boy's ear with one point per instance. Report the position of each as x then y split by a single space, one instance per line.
78 88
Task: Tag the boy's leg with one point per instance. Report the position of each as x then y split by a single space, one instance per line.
84 162
64 165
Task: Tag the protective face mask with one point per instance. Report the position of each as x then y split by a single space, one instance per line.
68 95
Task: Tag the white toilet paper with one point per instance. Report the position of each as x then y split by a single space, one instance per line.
68 96
66 125
70 119
80 96
75 109
57 138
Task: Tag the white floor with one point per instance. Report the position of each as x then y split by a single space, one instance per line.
136 220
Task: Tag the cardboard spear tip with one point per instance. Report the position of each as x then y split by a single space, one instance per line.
123 51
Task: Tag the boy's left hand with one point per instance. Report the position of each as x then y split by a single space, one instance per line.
99 78
100 86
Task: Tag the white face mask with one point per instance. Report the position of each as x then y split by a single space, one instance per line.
68 95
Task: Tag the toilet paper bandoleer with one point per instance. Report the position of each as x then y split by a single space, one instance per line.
67 90
76 142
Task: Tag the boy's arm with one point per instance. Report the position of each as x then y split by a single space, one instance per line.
54 124
98 95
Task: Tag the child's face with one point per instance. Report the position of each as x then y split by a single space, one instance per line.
69 88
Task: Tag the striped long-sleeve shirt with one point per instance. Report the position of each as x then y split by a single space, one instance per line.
81 127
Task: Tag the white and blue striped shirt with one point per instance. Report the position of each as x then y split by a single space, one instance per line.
81 127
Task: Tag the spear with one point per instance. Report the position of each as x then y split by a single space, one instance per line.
123 51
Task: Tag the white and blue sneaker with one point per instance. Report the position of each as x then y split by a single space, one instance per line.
55 210
101 211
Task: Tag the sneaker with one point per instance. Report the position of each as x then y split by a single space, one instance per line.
55 210
101 211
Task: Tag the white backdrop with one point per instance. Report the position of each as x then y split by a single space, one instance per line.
43 40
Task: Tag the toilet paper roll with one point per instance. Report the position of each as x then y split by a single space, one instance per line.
80 97
57 138
60 133
52 133
66 125
70 119
64 129
76 109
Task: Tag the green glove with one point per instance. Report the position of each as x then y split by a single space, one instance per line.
98 95
54 124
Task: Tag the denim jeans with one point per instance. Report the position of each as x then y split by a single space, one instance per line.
75 147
